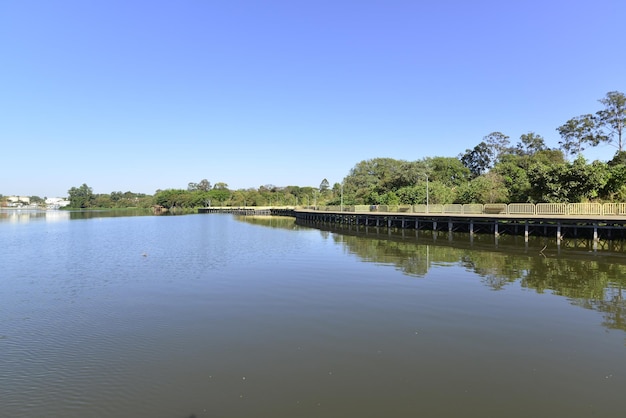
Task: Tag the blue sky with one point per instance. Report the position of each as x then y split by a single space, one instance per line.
146 95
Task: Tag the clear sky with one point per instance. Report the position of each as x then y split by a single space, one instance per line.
140 95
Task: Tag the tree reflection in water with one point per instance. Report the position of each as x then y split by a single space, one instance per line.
589 279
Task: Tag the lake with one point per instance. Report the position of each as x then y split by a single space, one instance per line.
223 316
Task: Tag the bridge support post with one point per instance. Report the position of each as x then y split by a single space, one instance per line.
526 231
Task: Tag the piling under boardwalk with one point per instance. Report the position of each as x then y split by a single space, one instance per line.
559 226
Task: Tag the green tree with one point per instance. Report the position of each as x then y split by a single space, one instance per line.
513 169
469 193
549 156
379 175
613 117
204 185
498 144
450 171
412 195
477 160
438 193
102 201
116 196
408 173
577 132
488 188
615 187
584 181
218 195
530 144
491 188
546 182
171 198
324 185
389 198
618 158
568 182
80 197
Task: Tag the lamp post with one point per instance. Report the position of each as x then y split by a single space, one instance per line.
341 197
426 192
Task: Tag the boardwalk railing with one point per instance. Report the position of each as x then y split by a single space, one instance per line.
573 209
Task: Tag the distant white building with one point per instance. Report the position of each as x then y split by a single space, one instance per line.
56 202
18 200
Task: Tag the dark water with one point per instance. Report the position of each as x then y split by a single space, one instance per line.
215 316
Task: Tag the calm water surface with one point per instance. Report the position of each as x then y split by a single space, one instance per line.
216 316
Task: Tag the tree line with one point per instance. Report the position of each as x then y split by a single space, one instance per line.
493 171
203 194
496 171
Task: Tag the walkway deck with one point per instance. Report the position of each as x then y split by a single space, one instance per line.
560 226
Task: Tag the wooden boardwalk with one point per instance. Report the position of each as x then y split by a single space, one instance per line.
559 226
595 227
250 210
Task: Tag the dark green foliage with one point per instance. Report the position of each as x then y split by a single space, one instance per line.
478 159
615 187
568 182
81 197
513 170
449 171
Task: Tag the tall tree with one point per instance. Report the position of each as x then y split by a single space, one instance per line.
204 185
577 132
613 117
477 160
80 197
530 144
324 185
498 144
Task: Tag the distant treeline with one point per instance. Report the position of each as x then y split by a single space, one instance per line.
202 194
540 176
493 171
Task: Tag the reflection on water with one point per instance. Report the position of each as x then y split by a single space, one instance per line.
283 222
593 280
215 316
24 216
